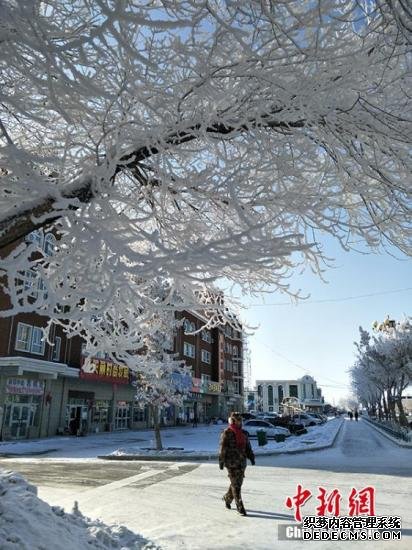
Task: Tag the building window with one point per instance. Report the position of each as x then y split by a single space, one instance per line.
29 339
23 337
49 244
270 397
36 237
29 279
56 348
37 342
139 413
235 351
206 336
293 390
188 326
205 356
280 394
32 283
189 349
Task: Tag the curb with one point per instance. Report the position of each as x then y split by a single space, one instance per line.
27 454
189 458
157 458
327 446
398 442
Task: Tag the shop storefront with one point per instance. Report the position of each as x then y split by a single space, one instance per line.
78 412
204 399
111 404
22 407
32 397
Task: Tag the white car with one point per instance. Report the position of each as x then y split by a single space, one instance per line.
306 419
252 426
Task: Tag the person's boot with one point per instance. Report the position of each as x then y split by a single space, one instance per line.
227 502
241 509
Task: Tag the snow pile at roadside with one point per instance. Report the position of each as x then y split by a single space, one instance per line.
206 446
27 447
28 523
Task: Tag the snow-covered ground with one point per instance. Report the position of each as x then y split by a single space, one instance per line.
187 441
203 443
178 505
29 523
39 525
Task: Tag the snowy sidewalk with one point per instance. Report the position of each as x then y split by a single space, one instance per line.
183 442
189 446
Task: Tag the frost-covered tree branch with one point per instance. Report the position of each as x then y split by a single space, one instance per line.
383 370
185 141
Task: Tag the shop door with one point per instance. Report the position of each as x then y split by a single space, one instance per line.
19 420
76 419
121 421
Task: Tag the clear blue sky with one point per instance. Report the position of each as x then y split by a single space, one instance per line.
317 338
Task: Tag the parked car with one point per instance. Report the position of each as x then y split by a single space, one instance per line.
306 419
247 416
286 422
252 427
271 419
320 416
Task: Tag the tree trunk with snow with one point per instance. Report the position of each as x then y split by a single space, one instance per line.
154 409
403 421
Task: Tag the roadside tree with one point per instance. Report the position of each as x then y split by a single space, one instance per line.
193 141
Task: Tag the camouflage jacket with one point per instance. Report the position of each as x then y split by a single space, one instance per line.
230 455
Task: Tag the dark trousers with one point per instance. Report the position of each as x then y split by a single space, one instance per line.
236 476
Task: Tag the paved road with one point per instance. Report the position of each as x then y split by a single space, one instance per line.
178 505
358 448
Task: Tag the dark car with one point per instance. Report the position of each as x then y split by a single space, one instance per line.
248 416
287 422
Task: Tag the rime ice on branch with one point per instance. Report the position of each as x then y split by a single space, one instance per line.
195 140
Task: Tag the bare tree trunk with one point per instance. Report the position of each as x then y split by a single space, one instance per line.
385 407
154 409
380 412
391 404
403 421
392 412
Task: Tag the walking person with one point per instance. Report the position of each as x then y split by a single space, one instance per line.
356 415
350 415
234 449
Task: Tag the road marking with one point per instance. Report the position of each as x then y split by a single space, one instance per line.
95 493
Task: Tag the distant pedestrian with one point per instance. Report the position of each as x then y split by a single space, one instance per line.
234 449
350 415
356 415
195 421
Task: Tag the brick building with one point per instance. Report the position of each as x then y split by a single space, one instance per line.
45 389
216 358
